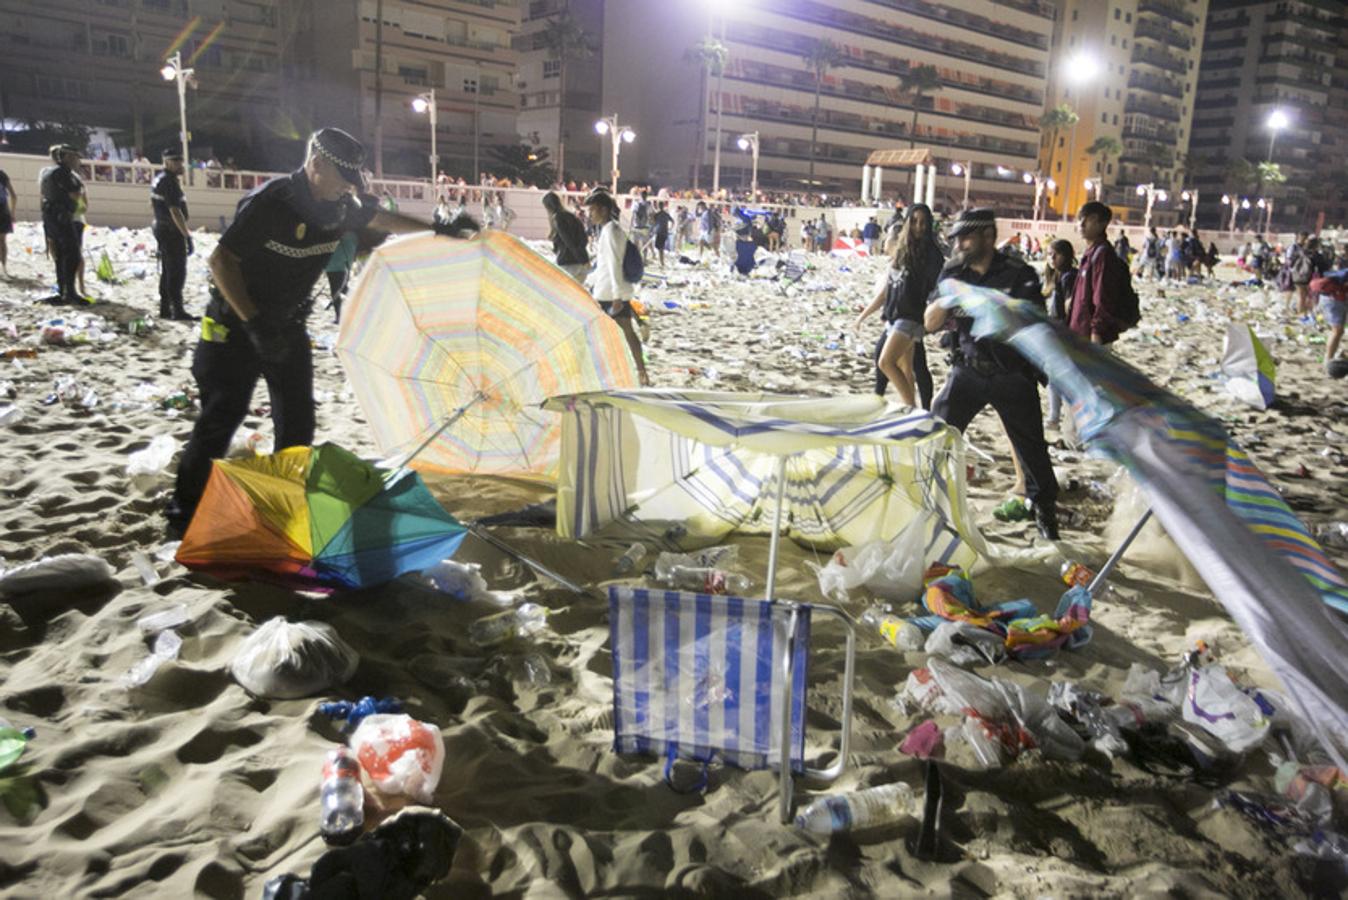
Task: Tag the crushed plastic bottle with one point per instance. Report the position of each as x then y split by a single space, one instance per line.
536 670
866 808
899 632
707 580
175 616
497 628
10 415
341 798
145 569
627 563
166 648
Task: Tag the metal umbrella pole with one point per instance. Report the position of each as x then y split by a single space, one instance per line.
776 531
1113 560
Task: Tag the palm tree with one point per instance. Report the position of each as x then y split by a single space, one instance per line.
1052 123
1240 174
822 56
1268 173
921 81
712 56
565 41
1102 148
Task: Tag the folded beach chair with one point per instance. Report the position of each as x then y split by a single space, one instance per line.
700 677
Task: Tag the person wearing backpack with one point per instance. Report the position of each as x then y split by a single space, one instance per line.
616 261
1304 269
1102 298
641 222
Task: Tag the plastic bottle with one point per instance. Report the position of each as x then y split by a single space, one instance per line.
500 627
341 798
707 580
9 415
629 560
1074 574
862 809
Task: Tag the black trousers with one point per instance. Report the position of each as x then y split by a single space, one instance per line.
226 373
1015 397
67 246
921 374
172 269
337 287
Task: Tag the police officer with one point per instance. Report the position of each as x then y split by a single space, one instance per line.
172 235
985 372
262 278
62 192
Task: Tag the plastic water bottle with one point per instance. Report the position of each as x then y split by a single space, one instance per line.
862 809
628 561
707 580
341 798
500 627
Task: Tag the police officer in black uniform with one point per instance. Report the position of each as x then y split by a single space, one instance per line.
985 372
262 279
62 192
172 235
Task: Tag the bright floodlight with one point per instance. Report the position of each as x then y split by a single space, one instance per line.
1245 204
420 105
1082 67
1162 196
169 72
1027 178
1052 185
628 135
1226 199
601 126
1003 171
1277 120
743 143
1260 204
1088 184
956 169
1185 195
1142 190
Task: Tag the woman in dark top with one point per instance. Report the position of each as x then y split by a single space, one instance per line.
1062 270
902 294
568 238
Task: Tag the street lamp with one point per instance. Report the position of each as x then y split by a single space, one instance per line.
174 70
1081 68
1153 194
1039 182
1277 121
1191 197
1228 200
425 104
619 134
1092 185
1266 204
967 170
750 142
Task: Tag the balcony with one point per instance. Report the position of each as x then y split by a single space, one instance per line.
1170 9
971 21
1141 132
1160 59
1155 84
1154 30
1153 108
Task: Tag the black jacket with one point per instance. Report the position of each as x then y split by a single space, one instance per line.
911 286
1012 277
568 240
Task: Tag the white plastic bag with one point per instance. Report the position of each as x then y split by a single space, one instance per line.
965 644
285 660
400 755
462 581
889 569
66 571
1215 704
154 459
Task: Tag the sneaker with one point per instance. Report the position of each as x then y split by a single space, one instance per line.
1012 510
1046 518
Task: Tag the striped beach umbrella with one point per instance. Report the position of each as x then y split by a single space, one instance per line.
458 343
1249 368
317 518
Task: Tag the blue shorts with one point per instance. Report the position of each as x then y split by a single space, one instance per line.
908 327
1336 311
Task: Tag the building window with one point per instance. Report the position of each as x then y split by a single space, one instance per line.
552 68
1104 118
1060 167
1109 170
1125 43
1114 39
1128 18
415 75
111 45
1061 141
470 85
1116 118
1074 15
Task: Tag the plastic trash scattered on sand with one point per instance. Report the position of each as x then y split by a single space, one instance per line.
166 648
13 742
285 660
175 616
66 571
1087 707
341 798
154 459
889 569
862 809
10 415
898 631
462 581
145 569
497 628
627 563
926 741
1216 704
354 713
399 755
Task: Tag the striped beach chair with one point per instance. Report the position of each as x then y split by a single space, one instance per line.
704 677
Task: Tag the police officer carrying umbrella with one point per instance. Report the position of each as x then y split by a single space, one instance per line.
263 273
62 192
172 235
985 372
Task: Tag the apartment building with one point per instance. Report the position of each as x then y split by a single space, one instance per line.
362 62
1268 64
1129 70
97 63
992 59
554 115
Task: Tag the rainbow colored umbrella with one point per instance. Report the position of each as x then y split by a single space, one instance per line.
1249 368
316 518
455 345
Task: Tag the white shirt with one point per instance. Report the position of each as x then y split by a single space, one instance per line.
606 282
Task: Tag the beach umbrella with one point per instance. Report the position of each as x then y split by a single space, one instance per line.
452 346
848 248
1256 556
1248 366
316 518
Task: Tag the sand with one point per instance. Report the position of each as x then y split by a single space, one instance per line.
189 786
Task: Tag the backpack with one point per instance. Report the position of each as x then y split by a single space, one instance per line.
1303 268
641 216
1129 311
633 266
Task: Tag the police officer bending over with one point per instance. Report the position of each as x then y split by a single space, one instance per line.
62 192
172 235
263 273
985 372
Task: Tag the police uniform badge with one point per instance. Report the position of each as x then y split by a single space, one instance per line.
299 231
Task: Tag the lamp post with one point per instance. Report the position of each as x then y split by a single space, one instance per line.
1191 197
1266 204
1228 200
720 102
1152 193
1081 69
965 169
425 104
619 135
1277 121
750 142
1092 185
1039 182
173 70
